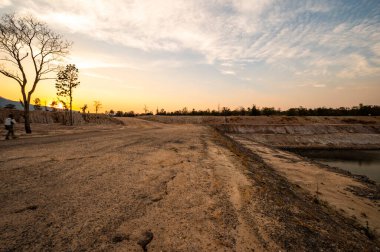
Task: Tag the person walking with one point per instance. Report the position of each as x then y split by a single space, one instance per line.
9 122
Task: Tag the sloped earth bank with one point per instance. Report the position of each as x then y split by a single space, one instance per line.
313 136
154 187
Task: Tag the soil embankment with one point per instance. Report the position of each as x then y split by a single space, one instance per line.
266 120
338 136
62 117
343 192
153 186
312 132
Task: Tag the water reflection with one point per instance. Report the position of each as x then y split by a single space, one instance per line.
363 162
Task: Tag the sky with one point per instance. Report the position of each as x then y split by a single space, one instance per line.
203 54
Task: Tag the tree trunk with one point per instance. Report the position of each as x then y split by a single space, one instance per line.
71 111
28 129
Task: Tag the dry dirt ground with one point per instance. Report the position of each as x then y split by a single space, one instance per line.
148 186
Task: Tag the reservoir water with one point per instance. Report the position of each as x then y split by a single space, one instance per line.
362 162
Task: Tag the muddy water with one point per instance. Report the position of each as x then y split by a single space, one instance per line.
363 162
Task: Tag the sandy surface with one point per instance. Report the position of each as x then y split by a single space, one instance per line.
157 187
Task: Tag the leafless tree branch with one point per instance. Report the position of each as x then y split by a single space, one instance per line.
25 38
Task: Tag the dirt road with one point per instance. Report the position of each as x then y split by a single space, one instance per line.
155 187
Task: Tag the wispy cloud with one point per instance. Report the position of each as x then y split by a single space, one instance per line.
100 76
317 38
319 85
212 29
5 3
85 63
357 66
228 72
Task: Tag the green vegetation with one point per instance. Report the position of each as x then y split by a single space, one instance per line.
361 110
67 80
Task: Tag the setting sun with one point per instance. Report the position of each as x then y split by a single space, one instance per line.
60 105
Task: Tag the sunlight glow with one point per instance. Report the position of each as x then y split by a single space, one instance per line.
60 106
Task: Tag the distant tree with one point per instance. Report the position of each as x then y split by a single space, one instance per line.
26 41
146 110
226 111
242 111
97 105
53 105
10 106
255 111
302 111
37 104
112 112
84 108
161 112
129 114
268 111
66 81
292 112
119 113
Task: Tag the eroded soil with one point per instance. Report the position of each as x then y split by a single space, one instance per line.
156 187
335 188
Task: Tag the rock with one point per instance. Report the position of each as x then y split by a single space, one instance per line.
146 238
119 238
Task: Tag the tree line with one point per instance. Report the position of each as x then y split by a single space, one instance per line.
360 110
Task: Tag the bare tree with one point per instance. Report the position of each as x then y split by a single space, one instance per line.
67 80
23 41
97 105
37 104
53 105
146 110
84 108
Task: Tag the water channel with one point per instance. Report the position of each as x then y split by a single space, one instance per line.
362 162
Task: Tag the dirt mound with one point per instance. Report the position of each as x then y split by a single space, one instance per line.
138 123
100 119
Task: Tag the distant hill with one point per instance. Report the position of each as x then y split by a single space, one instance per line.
4 102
